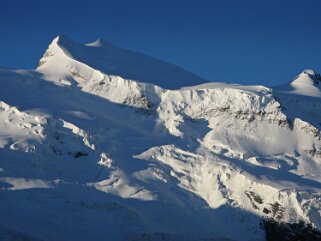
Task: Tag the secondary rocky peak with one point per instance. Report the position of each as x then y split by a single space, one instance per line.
307 79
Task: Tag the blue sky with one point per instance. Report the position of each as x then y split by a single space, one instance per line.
250 42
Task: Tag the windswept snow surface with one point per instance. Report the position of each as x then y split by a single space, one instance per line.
89 155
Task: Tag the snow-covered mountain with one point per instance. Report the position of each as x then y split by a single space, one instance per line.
88 153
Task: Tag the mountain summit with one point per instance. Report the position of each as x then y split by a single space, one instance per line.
106 57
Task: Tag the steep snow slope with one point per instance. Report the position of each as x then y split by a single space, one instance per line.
110 59
87 155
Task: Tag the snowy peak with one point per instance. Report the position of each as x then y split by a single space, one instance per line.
109 59
307 79
307 83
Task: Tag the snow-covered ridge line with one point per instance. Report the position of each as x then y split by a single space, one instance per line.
110 59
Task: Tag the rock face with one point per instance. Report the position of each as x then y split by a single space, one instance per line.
95 155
